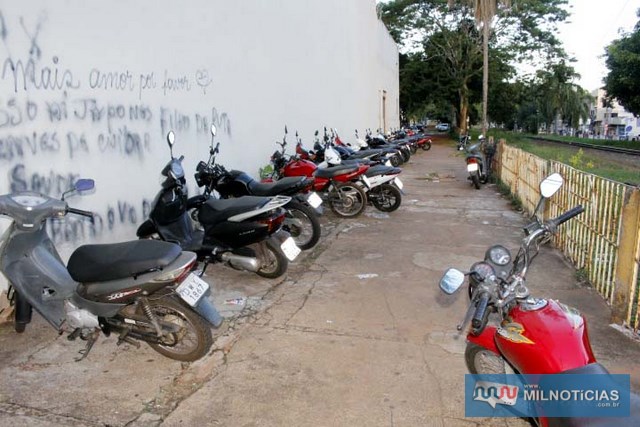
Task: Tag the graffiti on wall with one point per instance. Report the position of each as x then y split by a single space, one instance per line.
54 117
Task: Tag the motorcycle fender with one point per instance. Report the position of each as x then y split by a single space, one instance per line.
207 310
302 199
485 339
279 237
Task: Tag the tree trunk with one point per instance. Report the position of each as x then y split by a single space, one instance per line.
464 109
485 73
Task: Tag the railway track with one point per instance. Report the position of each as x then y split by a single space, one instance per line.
591 146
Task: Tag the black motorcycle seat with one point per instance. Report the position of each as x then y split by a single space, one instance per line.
365 153
214 211
104 262
352 162
285 186
334 171
382 170
634 400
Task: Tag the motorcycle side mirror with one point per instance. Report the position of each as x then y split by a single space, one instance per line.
84 184
550 185
316 134
451 281
285 130
79 186
213 130
171 139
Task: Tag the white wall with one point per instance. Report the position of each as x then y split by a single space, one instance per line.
89 89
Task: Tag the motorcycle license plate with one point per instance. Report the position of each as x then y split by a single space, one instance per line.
314 200
472 167
290 249
192 289
398 183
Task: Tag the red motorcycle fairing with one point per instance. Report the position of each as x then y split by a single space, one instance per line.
548 340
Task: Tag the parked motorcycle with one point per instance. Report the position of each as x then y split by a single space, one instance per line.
382 184
244 233
335 184
379 141
393 154
476 164
301 220
535 336
140 290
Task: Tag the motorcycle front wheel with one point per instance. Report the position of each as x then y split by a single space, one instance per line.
385 197
303 225
273 262
413 148
479 360
396 160
347 200
192 338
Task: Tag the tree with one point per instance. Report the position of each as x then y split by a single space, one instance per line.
623 61
485 11
449 36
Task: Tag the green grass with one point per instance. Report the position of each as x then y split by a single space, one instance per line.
591 163
633 145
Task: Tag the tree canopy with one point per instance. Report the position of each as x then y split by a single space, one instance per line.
444 47
623 61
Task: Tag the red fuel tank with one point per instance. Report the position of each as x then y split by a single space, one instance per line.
300 168
545 340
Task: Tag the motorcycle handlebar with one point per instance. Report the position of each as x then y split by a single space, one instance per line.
566 216
478 317
80 212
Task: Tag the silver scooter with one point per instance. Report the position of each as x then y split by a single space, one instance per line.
141 290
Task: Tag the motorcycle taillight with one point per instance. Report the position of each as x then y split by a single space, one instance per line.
274 221
472 160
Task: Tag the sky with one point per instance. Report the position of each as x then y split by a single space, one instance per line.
593 24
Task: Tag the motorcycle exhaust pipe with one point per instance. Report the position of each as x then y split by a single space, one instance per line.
240 262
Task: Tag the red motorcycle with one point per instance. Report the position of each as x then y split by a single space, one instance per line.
335 184
534 336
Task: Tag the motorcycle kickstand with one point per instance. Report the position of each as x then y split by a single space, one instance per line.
205 264
91 340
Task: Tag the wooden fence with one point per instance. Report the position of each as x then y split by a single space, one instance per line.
604 241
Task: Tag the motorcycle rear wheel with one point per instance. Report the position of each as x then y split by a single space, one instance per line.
386 197
426 146
413 148
476 180
274 263
303 225
192 341
347 200
479 360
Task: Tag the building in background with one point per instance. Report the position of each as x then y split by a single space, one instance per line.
612 122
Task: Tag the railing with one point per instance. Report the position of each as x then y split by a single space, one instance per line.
603 242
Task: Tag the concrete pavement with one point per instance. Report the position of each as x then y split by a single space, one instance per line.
357 334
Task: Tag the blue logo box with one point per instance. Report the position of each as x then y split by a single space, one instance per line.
558 395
